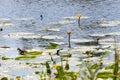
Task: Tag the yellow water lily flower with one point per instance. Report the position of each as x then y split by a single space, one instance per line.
55 66
69 32
79 15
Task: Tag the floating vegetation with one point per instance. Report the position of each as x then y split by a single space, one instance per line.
34 52
33 22
6 23
25 57
24 52
66 55
4 78
52 46
5 58
105 75
4 47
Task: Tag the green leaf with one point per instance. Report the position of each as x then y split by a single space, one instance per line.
25 57
5 58
106 52
33 22
66 55
34 52
94 66
4 78
105 75
52 46
110 67
48 68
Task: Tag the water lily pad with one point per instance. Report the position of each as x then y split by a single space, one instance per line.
6 23
4 47
34 52
5 58
52 46
25 57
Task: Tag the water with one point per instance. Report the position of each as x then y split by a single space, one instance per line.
17 18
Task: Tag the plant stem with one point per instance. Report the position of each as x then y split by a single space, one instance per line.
116 56
69 45
79 21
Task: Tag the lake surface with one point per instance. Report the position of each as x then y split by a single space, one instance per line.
24 28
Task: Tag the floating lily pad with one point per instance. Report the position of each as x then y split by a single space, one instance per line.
5 58
25 57
34 52
6 23
105 75
52 46
4 47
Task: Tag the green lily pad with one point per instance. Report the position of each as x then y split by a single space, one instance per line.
25 57
5 58
52 46
66 55
34 52
105 75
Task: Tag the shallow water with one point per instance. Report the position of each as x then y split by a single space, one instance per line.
23 27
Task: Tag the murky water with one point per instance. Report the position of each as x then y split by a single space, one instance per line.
23 26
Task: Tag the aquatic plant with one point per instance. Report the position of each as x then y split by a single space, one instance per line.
79 16
69 33
5 58
116 57
52 46
25 57
4 78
